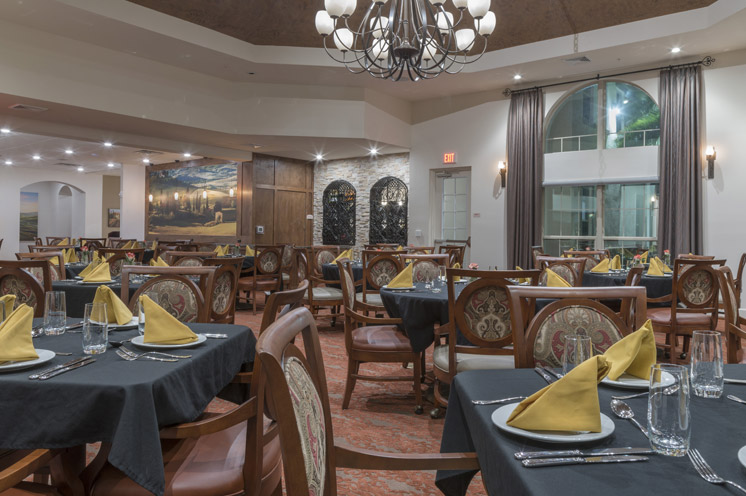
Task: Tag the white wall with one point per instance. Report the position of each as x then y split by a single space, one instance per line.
133 201
13 179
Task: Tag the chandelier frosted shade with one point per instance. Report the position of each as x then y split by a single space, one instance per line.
422 38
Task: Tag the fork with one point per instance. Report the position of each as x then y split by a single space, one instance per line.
132 358
706 472
130 352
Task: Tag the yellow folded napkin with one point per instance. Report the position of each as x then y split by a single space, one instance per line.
55 260
654 269
634 354
162 328
570 404
523 279
70 256
16 344
116 311
616 263
602 266
91 266
8 301
100 274
644 257
554 280
158 263
399 248
154 245
345 254
250 251
665 268
403 279
65 241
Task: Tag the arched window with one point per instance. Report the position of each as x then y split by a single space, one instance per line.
339 214
388 211
625 117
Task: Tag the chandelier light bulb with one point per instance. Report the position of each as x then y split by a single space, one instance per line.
349 8
444 21
430 50
343 39
478 8
324 23
380 50
378 26
486 25
335 8
464 39
460 4
437 3
176 196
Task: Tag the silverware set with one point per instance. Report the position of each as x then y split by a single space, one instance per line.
623 410
131 356
61 369
705 471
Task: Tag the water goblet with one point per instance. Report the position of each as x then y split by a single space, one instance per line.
707 364
669 419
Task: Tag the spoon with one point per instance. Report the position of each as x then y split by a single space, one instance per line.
496 402
667 391
622 410
117 344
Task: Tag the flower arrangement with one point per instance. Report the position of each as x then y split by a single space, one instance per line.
666 252
130 257
473 266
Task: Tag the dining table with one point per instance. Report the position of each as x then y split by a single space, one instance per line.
330 272
656 286
120 403
717 432
77 293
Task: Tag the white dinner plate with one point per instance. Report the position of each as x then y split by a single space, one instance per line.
626 381
129 325
501 415
138 341
664 275
410 288
742 456
96 282
44 356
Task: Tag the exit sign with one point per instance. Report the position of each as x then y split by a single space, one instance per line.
449 158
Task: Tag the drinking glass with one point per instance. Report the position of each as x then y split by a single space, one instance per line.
442 269
707 364
578 349
95 329
669 421
55 313
140 317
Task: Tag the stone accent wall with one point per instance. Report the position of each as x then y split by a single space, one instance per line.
362 173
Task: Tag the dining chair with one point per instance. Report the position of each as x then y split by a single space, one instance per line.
425 267
56 240
480 329
569 269
538 336
322 293
623 307
734 332
57 271
18 465
119 242
379 268
186 258
265 277
420 250
93 243
319 255
287 263
297 382
738 281
374 340
537 251
16 279
594 256
455 253
225 288
173 290
694 304
44 248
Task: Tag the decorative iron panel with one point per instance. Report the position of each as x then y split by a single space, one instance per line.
388 211
338 226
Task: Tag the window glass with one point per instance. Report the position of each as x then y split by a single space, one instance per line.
632 117
574 125
455 221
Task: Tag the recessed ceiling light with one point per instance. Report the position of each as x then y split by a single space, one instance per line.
625 102
517 77
675 50
146 161
69 151
8 162
108 144
80 169
374 151
187 154
319 156
5 130
36 157
110 164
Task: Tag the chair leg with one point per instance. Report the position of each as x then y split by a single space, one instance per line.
253 302
352 369
417 386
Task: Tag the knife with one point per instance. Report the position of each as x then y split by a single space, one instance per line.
579 460
552 372
85 362
526 455
57 367
734 381
216 336
545 375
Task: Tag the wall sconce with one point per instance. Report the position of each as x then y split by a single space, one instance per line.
176 196
231 193
502 168
711 154
150 198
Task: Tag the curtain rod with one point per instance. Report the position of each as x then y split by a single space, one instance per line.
707 61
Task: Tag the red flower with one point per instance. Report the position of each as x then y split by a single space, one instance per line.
638 257
84 248
666 252
473 266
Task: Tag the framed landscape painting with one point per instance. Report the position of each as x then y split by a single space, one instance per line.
113 217
199 200
29 216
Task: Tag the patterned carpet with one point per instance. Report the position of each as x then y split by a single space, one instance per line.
380 417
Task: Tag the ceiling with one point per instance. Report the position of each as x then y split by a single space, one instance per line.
291 22
20 149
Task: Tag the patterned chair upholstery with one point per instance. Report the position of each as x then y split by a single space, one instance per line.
16 279
176 298
569 269
265 276
379 268
223 306
425 271
189 262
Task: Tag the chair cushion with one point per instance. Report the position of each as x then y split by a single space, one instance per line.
380 338
467 361
371 298
213 467
662 316
322 293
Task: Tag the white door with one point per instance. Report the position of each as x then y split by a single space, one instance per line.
451 206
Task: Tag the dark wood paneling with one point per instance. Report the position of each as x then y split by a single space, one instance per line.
290 173
264 170
290 217
264 202
246 192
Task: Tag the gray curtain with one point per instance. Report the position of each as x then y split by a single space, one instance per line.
525 170
680 221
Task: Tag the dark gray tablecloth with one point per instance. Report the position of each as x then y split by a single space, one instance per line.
77 295
248 263
717 431
72 270
656 286
118 402
330 272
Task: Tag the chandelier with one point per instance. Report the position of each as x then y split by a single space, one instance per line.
416 37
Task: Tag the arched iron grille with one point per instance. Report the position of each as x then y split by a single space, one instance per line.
388 211
338 226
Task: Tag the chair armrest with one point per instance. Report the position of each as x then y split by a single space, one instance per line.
361 305
242 378
662 299
370 320
23 467
211 425
377 460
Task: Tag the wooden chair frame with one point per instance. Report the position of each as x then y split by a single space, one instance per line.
43 248
734 332
455 252
370 259
173 257
594 256
19 464
313 256
59 269
420 250
316 280
274 347
53 240
18 268
231 267
576 265
537 251
738 281
262 280
526 321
